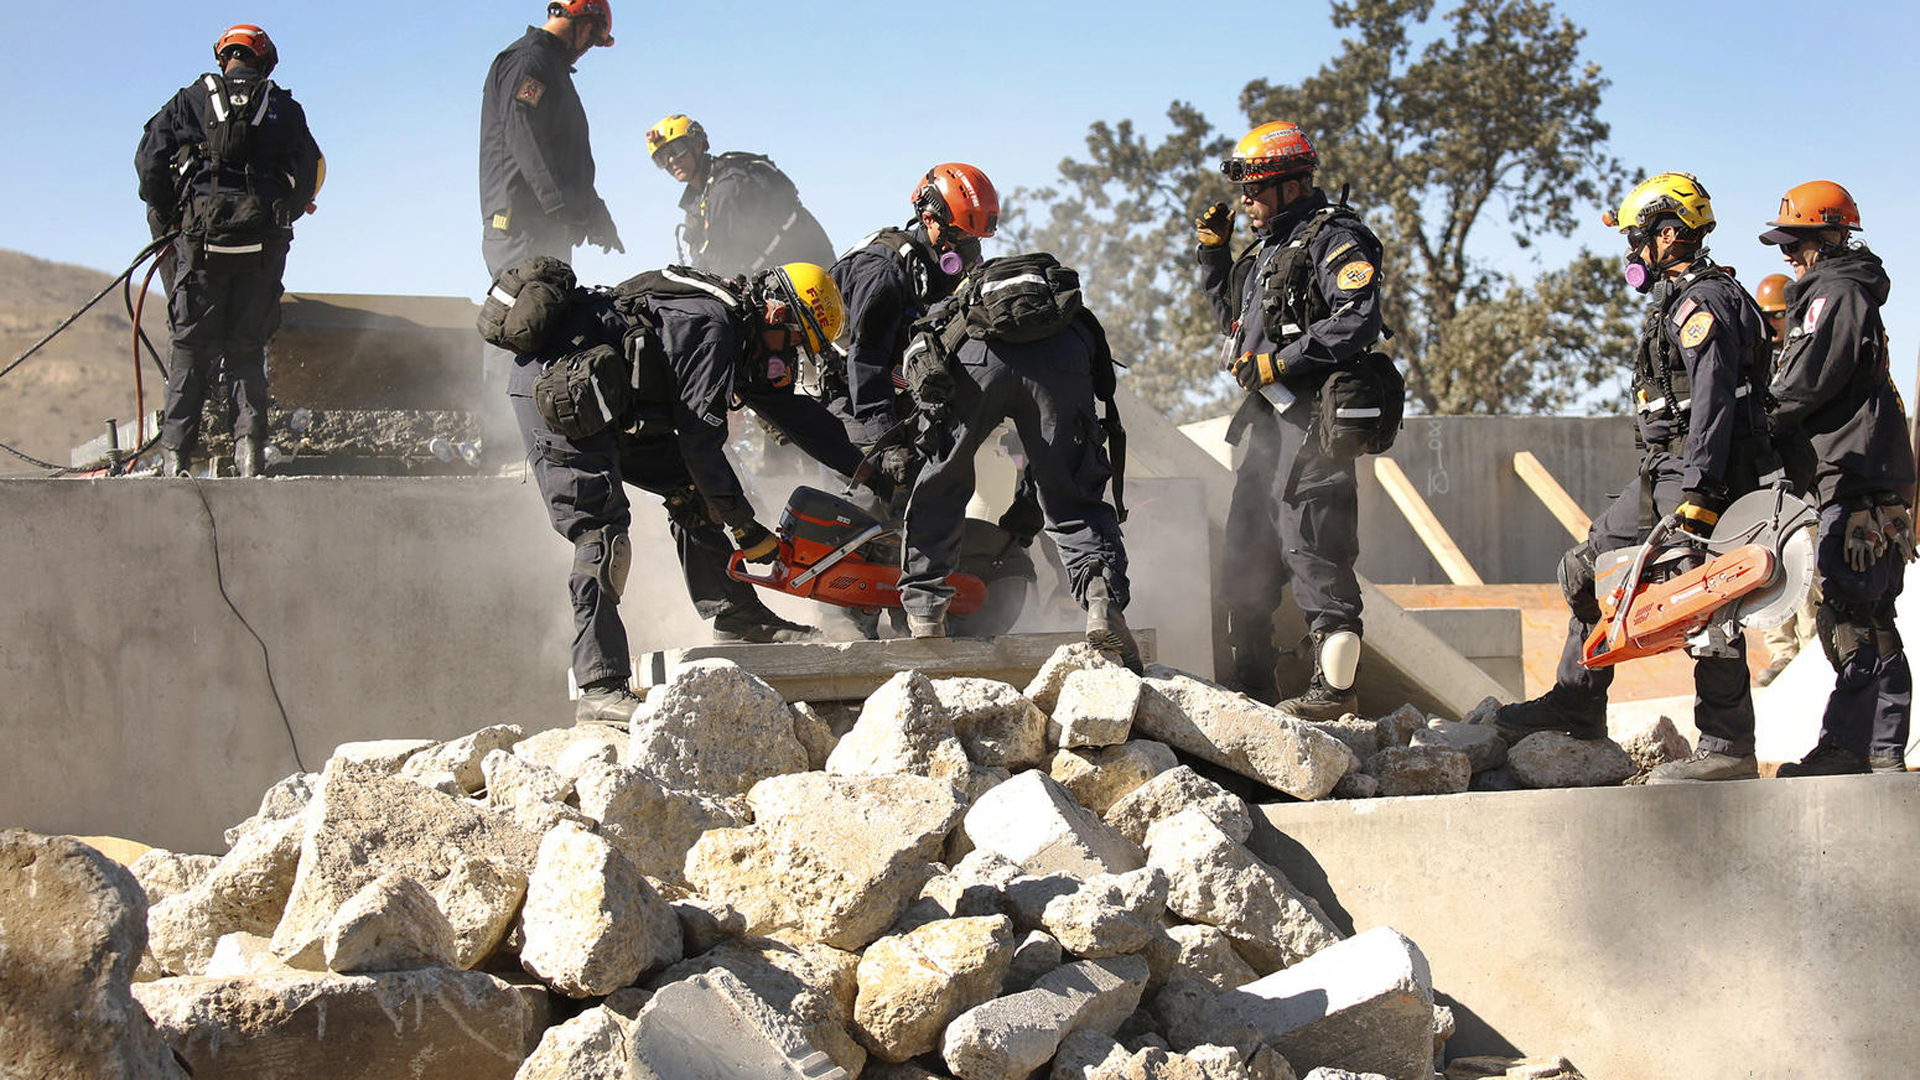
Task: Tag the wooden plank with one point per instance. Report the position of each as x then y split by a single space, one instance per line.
1552 495
1425 525
850 670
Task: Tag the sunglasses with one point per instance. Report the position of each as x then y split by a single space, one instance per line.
1253 189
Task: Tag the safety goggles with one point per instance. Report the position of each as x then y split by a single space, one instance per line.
673 151
1253 189
1239 170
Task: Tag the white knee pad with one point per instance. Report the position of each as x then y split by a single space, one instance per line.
1339 659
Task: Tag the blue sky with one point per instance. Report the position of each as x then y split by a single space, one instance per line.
854 100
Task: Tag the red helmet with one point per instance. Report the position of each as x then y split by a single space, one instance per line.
961 196
250 39
1278 149
586 9
1816 204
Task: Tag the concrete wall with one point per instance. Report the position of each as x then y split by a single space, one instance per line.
1767 928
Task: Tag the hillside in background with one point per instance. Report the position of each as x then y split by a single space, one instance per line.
58 399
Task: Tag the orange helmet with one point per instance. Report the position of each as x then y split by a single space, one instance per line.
1772 294
599 10
961 196
1816 204
1279 149
249 39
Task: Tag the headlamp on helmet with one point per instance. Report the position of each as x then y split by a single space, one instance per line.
245 39
1271 151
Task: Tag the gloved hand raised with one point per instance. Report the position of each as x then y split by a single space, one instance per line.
1864 539
1215 227
601 232
1896 526
755 542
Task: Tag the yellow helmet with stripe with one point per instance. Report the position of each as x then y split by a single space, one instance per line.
670 130
1678 195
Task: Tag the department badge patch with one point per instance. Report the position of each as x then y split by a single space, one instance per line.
1355 275
530 92
1698 330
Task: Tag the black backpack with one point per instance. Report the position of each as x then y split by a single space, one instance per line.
1360 406
231 230
527 305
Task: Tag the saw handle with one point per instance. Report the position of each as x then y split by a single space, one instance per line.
776 574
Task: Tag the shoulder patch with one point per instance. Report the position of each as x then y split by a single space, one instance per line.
1685 309
1814 311
530 92
1355 274
1698 330
1336 253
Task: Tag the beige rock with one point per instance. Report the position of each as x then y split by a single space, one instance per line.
997 725
1363 737
1014 1035
974 886
1215 880
513 780
1098 777
815 735
1095 708
1365 1004
1044 690
1032 822
1198 953
1037 954
164 873
653 825
480 897
429 1024
364 823
391 924
1235 732
1549 759
246 892
1089 1055
287 798
1356 785
592 923
715 729
831 859
462 757
1398 726
814 986
387 755
1169 793
1189 1012
714 1027
903 728
73 929
1421 770
912 985
1110 915
570 750
1652 743
706 923
240 955
591 1046
1479 742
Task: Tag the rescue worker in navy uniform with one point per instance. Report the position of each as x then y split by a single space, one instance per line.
229 162
1699 376
1785 641
1047 388
1836 403
743 214
718 350
1294 518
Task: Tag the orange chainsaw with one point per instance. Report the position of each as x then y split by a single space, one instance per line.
833 551
1699 594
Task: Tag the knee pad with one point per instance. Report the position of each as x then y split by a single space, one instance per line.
1576 582
1843 632
1886 636
1337 657
605 555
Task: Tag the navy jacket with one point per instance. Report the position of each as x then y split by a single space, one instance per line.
281 163
534 152
747 217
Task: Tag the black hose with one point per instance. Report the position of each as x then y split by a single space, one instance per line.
145 254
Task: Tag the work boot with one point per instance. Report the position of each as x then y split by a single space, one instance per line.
173 462
1706 765
1556 710
760 627
1258 685
1891 761
1772 671
249 456
1321 702
927 626
1826 759
1107 627
606 706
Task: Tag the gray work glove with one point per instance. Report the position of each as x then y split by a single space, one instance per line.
1896 529
1865 543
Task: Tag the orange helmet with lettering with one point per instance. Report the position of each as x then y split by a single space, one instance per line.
599 10
1816 204
1772 294
959 195
1278 149
251 40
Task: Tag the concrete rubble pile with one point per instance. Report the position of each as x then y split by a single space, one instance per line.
961 879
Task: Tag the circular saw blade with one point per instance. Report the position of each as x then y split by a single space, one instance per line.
1784 525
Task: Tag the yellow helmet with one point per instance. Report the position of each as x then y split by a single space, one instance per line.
672 129
813 301
1678 195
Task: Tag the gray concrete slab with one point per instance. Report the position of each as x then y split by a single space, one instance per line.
1765 928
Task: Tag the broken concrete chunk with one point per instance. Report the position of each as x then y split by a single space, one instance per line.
1549 759
1652 743
1363 737
832 859
246 892
1110 915
653 825
238 955
1037 954
462 757
903 728
1398 726
1235 732
714 1027
1012 1036
1044 690
513 780
163 873
434 1022
1089 1055
1479 742
815 735
1326 1072
1215 880
1483 712
1196 952
1190 1014
976 885
593 924
715 729
814 986
480 897
591 1046
73 929
706 923
912 985
1168 794
387 755
287 798
1356 785
1512 1068
1420 770
391 924
1364 1004
1032 822
996 724
1095 708
569 750
1098 777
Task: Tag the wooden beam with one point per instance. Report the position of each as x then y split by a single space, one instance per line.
1548 490
1425 525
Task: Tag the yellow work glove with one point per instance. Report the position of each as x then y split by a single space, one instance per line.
1215 227
756 543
